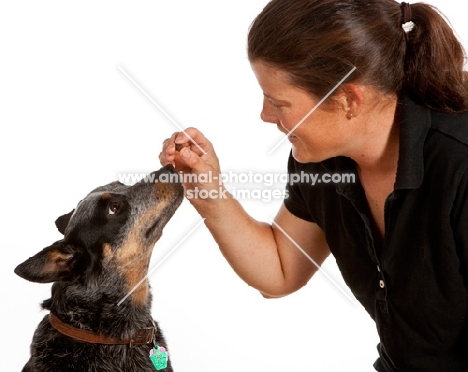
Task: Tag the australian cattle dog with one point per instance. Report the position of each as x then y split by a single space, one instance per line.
105 252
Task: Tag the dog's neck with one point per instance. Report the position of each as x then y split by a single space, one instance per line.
96 306
132 262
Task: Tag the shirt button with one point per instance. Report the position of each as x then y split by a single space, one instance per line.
378 269
382 284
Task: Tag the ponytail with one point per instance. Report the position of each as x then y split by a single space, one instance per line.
434 62
317 42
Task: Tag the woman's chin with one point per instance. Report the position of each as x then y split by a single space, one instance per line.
299 155
304 157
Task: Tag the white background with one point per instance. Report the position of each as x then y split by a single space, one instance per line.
70 121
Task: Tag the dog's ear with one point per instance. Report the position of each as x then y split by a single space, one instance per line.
59 262
62 222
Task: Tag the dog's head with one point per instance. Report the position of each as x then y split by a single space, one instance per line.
114 226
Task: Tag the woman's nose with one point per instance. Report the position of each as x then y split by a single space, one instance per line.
268 114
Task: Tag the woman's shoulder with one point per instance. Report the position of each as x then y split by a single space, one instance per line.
452 126
446 146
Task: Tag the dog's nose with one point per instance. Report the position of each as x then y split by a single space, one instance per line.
167 174
168 168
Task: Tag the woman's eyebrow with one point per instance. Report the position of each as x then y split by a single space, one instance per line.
272 98
268 96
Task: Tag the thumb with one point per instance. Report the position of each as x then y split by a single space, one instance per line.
191 160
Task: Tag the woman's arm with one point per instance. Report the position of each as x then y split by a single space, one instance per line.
266 257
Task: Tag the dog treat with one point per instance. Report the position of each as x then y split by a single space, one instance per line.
180 146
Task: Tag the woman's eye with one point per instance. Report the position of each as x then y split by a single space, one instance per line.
113 207
274 104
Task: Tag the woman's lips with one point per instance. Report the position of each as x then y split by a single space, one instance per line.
292 138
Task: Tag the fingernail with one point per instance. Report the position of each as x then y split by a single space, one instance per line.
185 153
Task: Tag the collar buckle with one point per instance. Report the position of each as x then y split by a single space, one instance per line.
143 336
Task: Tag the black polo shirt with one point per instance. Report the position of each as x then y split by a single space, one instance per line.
415 285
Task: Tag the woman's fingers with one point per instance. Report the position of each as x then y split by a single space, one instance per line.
189 152
195 139
167 154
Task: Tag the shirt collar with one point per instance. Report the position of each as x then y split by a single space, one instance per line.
414 122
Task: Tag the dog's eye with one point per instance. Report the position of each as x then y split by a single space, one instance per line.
113 208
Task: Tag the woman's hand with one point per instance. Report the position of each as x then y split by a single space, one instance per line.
262 255
193 156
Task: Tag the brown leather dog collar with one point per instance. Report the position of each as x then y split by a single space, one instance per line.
141 337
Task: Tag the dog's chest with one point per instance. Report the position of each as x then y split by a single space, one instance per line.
53 352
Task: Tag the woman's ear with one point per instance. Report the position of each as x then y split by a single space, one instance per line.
350 98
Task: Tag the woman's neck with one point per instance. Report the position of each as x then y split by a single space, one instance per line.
378 149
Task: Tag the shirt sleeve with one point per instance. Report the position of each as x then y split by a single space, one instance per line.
294 200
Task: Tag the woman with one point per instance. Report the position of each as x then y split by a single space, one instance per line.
399 234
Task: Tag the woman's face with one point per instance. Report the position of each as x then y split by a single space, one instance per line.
324 134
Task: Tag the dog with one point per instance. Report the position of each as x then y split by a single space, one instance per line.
105 252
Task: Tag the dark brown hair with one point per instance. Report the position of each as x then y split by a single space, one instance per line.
317 42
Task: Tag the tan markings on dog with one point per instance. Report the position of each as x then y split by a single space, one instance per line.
56 261
133 267
106 196
133 256
134 273
166 191
106 251
134 240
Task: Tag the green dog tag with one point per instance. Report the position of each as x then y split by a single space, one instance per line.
158 356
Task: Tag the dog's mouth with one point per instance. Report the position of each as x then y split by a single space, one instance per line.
151 231
154 231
